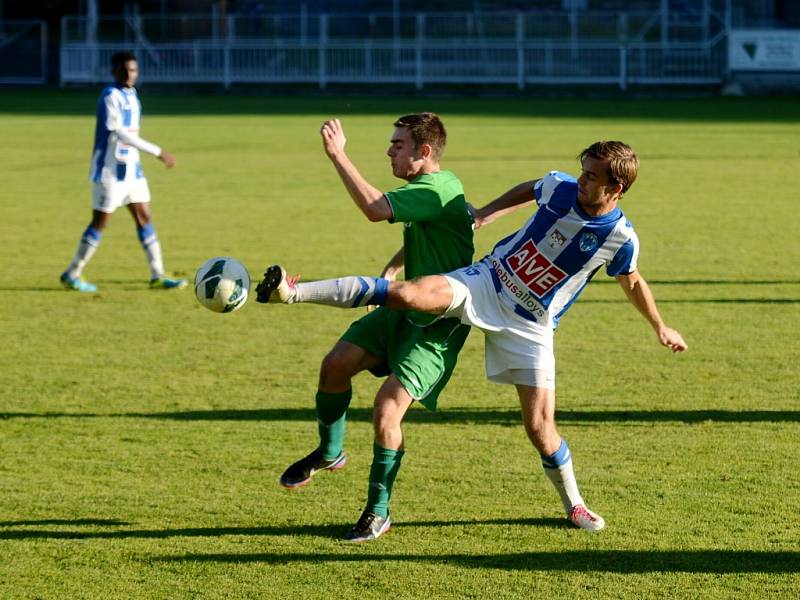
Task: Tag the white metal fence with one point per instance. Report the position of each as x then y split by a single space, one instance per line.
519 49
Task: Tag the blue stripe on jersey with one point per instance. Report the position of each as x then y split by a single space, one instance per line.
536 229
572 300
562 194
565 193
495 279
101 134
127 113
139 171
621 263
587 242
582 248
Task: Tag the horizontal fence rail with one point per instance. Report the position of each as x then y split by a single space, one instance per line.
417 64
515 48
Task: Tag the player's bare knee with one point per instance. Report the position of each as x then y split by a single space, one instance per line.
336 368
385 421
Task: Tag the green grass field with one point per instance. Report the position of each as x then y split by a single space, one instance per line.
141 436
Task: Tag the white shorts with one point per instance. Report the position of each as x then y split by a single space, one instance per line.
108 196
517 350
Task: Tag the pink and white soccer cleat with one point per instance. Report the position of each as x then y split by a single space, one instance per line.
586 519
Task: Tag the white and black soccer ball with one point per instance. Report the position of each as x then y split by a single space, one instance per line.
222 284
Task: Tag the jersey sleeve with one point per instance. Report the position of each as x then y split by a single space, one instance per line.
111 116
112 112
140 143
416 201
626 259
555 187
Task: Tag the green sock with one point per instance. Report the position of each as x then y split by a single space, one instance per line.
385 465
331 416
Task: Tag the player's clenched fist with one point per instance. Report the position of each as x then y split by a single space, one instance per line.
333 139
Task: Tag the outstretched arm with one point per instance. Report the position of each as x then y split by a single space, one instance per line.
132 139
369 199
638 292
517 197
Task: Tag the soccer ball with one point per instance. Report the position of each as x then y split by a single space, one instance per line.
222 284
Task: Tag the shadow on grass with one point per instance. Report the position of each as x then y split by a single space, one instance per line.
702 301
71 522
348 100
607 561
509 417
335 531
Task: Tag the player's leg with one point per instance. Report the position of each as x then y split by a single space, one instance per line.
421 360
333 396
139 207
432 294
87 246
538 415
391 404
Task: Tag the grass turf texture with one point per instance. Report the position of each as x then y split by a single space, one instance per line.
142 437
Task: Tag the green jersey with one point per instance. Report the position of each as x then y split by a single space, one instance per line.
437 232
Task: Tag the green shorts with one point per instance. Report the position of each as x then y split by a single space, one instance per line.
422 358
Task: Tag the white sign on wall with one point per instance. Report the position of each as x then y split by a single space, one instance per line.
764 50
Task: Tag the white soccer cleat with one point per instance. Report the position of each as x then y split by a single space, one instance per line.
275 287
586 519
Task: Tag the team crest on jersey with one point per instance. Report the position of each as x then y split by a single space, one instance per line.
588 242
556 239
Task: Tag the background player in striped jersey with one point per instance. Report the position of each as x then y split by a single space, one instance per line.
117 176
517 294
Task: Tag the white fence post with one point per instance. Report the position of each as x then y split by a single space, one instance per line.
323 42
418 81
520 31
513 55
226 76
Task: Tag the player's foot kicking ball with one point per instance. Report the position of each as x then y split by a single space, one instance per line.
165 283
586 519
301 472
77 284
369 527
274 287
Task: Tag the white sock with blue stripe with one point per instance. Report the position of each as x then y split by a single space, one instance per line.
90 240
152 248
558 468
344 292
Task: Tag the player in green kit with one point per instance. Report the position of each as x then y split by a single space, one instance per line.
416 352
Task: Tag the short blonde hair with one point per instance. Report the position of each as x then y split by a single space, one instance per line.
623 164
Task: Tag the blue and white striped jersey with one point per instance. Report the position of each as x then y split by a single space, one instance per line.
541 269
116 139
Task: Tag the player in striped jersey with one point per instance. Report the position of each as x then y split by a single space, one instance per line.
518 293
117 176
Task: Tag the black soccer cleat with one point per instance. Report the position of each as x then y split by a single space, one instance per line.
369 527
274 287
301 472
